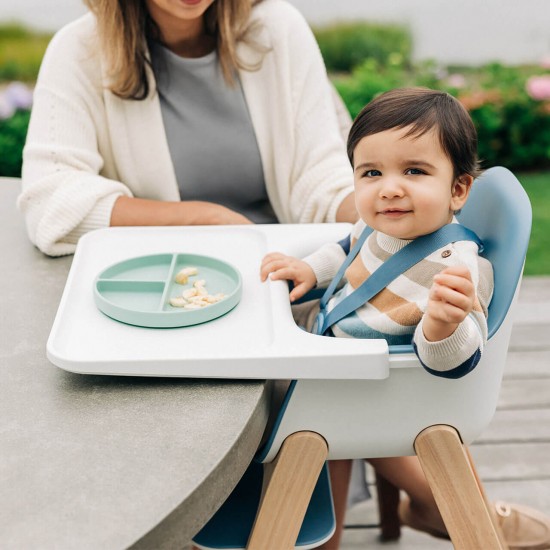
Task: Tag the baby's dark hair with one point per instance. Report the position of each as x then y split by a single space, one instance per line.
422 109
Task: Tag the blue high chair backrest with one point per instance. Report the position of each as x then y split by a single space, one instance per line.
499 211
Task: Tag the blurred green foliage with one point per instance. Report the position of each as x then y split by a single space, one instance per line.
513 128
12 139
364 60
21 52
346 45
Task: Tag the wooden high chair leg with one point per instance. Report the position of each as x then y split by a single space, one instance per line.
290 484
455 488
388 503
488 504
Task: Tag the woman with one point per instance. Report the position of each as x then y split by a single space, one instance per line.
181 112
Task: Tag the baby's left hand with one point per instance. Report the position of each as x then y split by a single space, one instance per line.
450 301
280 266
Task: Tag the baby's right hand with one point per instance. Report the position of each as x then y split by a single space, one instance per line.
291 269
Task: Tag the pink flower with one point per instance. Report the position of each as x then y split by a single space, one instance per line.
545 62
538 87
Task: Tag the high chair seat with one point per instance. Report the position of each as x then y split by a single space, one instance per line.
409 412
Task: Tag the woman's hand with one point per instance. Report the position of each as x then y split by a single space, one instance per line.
209 213
134 211
450 301
278 266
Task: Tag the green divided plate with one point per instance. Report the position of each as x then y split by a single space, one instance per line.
138 291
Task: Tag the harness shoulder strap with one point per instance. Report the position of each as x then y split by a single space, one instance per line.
394 266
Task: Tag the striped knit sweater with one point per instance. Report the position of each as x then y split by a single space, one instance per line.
396 312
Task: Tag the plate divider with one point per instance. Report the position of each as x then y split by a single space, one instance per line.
168 282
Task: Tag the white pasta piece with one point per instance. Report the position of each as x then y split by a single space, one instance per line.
183 275
178 301
182 278
196 297
189 293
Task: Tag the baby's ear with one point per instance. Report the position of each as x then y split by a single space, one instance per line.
460 191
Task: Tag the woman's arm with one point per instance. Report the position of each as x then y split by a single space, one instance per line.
135 211
307 170
346 211
75 173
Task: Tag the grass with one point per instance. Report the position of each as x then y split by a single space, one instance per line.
537 186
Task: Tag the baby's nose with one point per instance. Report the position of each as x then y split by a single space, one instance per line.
391 188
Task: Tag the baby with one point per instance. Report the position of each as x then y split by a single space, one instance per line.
413 153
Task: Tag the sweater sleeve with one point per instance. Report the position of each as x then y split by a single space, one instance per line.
456 355
325 262
63 196
321 175
459 354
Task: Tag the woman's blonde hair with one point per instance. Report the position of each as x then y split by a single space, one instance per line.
125 25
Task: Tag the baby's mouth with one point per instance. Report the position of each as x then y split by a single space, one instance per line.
394 212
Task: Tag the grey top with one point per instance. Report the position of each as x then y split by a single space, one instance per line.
210 134
108 462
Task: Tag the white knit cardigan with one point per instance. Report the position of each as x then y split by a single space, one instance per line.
86 147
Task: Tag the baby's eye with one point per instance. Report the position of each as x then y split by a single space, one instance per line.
371 173
414 171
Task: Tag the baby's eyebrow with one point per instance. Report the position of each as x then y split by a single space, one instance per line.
364 165
418 162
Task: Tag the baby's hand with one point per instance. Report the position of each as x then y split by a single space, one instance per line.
291 269
450 301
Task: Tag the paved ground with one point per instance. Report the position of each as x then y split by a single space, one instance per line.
513 455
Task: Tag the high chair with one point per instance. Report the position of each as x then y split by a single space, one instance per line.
284 500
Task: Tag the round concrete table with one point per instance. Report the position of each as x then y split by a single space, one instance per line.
104 462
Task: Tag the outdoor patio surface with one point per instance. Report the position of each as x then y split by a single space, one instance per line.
513 455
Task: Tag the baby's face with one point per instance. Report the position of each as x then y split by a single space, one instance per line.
404 186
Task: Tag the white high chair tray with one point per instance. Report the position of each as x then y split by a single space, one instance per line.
256 339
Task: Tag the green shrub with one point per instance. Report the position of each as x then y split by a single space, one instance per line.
346 45
513 128
21 52
366 82
511 124
12 139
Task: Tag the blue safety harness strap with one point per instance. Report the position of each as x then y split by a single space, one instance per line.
394 266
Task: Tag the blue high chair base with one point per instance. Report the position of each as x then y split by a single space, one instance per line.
231 525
